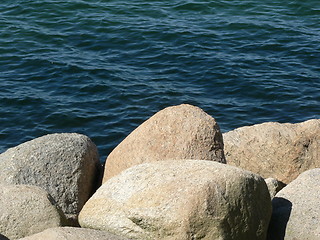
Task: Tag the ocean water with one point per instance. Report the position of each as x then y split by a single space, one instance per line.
101 68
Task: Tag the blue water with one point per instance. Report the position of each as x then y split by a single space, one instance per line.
103 67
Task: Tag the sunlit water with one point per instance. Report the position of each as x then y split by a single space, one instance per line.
103 67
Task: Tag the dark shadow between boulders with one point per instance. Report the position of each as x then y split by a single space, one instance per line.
2 237
98 178
280 216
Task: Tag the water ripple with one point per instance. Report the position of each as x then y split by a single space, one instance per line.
103 67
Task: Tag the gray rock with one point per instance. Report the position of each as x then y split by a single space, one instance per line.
65 165
280 151
296 212
25 210
274 186
178 132
187 199
72 233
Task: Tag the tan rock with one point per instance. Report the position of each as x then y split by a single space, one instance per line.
276 150
72 233
66 165
25 210
187 199
179 132
296 212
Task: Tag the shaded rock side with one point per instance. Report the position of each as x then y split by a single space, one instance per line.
178 132
66 165
296 212
280 151
72 233
25 210
187 199
2 237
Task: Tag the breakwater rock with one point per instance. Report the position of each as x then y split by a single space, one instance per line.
26 210
65 165
178 132
47 183
73 233
281 151
296 212
187 199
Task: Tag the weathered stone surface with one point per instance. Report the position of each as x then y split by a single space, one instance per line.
274 186
72 233
280 151
65 165
296 212
25 210
187 199
178 132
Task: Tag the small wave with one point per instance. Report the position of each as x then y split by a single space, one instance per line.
103 67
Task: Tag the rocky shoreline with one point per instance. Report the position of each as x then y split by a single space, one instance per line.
175 177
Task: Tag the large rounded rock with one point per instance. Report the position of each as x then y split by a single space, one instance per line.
72 233
179 132
65 165
25 210
280 151
296 212
187 199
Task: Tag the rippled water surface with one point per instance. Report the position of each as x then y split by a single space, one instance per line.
103 67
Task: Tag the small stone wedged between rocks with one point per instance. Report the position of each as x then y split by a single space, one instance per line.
274 186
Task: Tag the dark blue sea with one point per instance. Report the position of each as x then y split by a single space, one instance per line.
101 68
